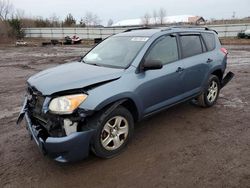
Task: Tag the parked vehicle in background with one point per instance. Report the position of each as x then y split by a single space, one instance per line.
244 34
72 40
93 104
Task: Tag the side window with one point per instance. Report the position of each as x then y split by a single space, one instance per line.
191 45
209 39
164 50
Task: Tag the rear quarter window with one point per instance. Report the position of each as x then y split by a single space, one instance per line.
209 39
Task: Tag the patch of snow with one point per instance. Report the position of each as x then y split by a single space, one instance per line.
234 103
167 19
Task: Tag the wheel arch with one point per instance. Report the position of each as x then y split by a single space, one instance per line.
218 73
126 102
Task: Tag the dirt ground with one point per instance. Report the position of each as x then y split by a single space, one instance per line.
185 146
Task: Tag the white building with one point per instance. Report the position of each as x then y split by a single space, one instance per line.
166 20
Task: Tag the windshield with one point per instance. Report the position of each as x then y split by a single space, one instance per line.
115 52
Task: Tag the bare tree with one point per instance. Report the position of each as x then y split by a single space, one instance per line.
96 20
54 20
87 19
162 15
6 9
90 19
155 17
146 19
110 22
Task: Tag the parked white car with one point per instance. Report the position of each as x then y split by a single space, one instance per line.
244 34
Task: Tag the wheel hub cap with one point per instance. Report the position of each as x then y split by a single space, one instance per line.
114 133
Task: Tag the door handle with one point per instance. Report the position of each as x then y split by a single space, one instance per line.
179 69
209 60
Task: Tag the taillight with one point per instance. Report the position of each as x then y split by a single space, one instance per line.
224 50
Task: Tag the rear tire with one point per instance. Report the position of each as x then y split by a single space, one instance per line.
113 132
209 97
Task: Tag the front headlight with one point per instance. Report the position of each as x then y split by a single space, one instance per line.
66 104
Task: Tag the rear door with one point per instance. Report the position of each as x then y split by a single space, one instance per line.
195 60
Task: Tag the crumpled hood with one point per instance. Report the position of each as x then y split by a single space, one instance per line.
71 76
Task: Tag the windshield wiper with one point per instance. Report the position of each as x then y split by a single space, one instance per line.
91 63
95 64
103 65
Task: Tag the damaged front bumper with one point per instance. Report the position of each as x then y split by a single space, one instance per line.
62 149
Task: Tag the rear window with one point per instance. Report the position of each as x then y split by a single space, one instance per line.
209 40
191 45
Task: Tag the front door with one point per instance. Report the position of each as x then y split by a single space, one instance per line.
162 87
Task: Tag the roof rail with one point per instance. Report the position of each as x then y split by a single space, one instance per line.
172 27
190 26
137 28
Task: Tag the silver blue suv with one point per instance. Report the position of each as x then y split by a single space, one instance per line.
93 104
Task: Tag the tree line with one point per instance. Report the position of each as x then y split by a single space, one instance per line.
89 20
13 20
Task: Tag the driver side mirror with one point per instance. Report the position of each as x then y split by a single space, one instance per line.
151 65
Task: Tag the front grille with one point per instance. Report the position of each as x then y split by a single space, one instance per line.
38 104
35 102
51 123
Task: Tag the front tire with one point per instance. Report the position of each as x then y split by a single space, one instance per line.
113 132
209 97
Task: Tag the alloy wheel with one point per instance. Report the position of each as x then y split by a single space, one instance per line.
114 133
212 91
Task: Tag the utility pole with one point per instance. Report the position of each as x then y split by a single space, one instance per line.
233 16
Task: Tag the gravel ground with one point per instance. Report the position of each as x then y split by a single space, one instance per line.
185 146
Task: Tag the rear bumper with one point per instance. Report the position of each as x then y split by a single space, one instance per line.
62 149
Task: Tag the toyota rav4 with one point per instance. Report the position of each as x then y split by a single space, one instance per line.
93 104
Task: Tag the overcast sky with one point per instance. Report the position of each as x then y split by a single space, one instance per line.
126 9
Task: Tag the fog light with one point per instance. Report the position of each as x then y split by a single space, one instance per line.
69 126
